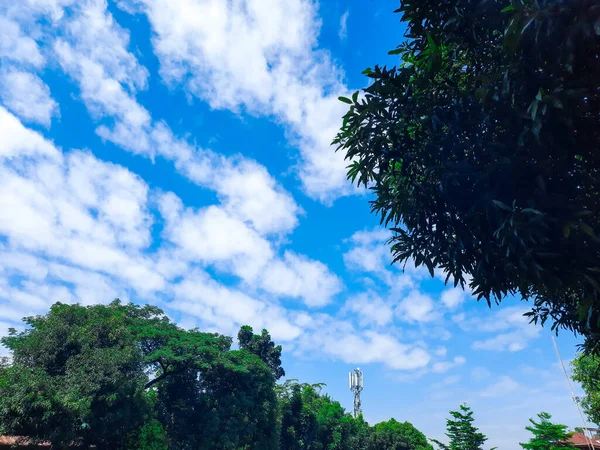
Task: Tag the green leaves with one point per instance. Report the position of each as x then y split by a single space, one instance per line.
345 100
462 433
547 435
483 144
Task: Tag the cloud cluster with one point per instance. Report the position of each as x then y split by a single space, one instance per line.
78 229
74 228
260 56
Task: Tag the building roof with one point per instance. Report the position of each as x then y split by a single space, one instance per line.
581 441
20 441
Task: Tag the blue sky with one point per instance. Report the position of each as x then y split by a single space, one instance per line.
177 152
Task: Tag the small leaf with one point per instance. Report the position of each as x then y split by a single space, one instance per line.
367 71
355 97
345 100
396 51
501 205
509 9
566 229
586 229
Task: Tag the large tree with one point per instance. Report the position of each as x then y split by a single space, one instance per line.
394 435
262 346
461 432
125 377
586 371
313 421
482 150
547 435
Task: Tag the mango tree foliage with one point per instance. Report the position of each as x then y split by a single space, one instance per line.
586 371
481 148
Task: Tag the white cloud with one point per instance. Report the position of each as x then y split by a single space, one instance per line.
94 52
515 330
297 276
28 96
503 386
370 309
75 208
226 309
512 342
370 253
452 298
18 141
445 366
78 229
212 236
441 351
259 55
416 307
338 339
343 30
15 45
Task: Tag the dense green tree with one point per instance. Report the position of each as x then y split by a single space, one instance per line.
481 150
230 405
394 435
262 346
75 377
547 435
586 371
312 421
124 376
461 432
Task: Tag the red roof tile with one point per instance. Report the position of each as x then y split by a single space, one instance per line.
580 440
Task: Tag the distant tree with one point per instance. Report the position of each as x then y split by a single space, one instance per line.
547 435
461 432
312 421
586 371
229 404
262 346
482 150
394 435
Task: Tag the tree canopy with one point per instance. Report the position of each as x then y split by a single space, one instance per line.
481 150
394 435
547 435
586 371
117 376
262 346
461 432
122 376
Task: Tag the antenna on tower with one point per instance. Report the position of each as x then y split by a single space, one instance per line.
355 379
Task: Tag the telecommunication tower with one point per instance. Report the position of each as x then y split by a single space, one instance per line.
355 379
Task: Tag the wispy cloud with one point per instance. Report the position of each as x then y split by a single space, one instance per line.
343 30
